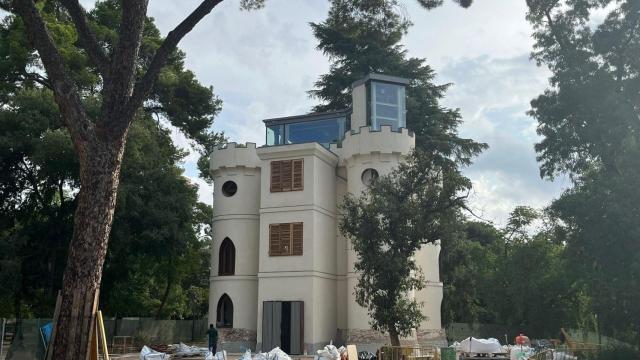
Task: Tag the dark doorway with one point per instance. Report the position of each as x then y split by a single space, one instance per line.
283 326
224 314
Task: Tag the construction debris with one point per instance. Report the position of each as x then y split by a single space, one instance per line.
330 352
275 354
148 354
184 350
480 346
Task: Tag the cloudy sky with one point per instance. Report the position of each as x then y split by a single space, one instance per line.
262 63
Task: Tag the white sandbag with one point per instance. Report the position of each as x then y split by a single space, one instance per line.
521 353
278 354
330 352
149 354
183 349
261 356
220 355
246 355
208 356
480 346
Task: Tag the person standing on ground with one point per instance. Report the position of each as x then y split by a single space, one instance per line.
213 339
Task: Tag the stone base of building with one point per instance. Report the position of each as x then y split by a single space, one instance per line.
239 340
235 340
432 337
371 340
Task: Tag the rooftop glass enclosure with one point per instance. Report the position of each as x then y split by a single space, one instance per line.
388 107
323 128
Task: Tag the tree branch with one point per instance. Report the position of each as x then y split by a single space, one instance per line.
87 37
122 71
64 90
143 87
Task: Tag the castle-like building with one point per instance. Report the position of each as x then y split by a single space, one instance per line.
282 274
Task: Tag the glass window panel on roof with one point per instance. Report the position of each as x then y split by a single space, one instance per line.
386 111
275 135
387 105
386 93
324 131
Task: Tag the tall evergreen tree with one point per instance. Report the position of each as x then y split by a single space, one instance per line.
362 37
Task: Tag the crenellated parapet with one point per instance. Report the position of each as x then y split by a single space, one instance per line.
233 155
365 141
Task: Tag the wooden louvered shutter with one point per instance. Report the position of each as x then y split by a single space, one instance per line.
285 239
296 239
276 174
274 240
286 175
298 174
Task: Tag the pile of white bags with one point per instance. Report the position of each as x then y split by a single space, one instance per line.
220 355
330 352
480 346
274 354
183 349
246 355
149 354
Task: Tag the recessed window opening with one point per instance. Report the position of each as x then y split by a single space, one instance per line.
229 188
387 105
369 176
227 258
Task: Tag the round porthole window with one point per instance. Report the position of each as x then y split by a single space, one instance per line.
369 176
229 188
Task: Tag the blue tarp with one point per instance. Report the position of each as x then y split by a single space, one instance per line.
46 331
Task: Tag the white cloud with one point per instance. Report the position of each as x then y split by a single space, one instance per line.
205 191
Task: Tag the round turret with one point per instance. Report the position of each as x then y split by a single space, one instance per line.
236 232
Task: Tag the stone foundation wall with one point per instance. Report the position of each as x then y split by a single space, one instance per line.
432 337
236 340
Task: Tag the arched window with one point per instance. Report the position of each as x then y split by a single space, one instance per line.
227 258
224 317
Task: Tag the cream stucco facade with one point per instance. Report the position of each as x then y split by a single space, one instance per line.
311 292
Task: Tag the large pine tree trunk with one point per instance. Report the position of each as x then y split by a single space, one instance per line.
100 162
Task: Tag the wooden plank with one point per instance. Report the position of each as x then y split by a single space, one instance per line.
103 336
352 352
93 346
89 325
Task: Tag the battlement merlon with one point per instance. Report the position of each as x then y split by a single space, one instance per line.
367 141
233 155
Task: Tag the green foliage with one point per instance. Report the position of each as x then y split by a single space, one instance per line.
386 225
157 263
519 276
466 254
588 119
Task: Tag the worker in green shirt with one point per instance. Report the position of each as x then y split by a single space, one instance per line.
213 339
